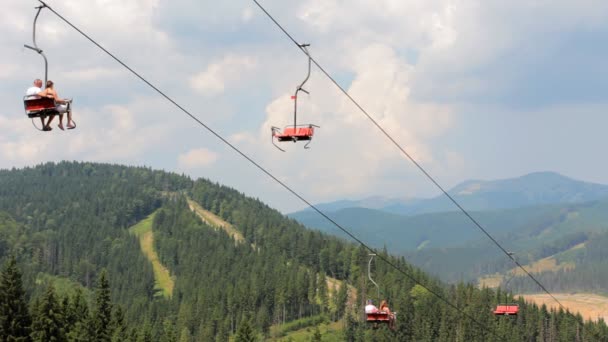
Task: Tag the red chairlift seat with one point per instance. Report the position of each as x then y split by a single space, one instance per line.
40 107
297 133
506 309
378 317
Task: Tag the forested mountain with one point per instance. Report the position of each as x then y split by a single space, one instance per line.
588 271
448 245
534 189
439 230
554 230
84 276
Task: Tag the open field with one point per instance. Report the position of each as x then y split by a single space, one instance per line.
162 277
590 306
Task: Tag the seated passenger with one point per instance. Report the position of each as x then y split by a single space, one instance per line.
35 92
370 307
384 308
63 105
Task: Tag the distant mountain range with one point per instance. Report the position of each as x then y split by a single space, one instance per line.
535 215
533 189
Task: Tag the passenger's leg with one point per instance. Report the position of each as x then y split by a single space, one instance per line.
48 123
70 121
61 109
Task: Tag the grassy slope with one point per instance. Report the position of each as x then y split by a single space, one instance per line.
162 277
215 221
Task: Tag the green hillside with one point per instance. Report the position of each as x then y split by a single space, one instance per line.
558 229
407 233
449 246
71 221
589 273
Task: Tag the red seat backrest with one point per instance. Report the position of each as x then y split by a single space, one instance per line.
506 310
33 105
378 316
298 131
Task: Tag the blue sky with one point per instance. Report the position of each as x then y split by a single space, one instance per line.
481 90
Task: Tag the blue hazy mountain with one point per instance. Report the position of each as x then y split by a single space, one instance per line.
534 215
533 189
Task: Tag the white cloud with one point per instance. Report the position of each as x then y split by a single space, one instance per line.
196 158
242 137
247 14
414 65
221 74
92 74
358 153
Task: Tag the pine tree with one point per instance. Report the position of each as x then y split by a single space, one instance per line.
316 336
48 322
78 317
341 300
15 321
145 335
245 332
185 336
118 325
103 310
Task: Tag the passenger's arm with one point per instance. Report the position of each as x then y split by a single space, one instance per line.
56 97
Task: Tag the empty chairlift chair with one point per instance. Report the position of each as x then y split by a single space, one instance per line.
296 132
506 309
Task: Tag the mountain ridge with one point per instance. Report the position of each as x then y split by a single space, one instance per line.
532 189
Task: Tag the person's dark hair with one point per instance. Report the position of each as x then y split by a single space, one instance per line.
49 84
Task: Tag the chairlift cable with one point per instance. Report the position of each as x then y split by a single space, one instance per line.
274 178
416 163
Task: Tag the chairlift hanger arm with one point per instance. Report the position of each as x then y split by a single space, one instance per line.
305 49
35 47
369 273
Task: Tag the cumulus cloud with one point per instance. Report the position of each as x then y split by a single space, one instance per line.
420 68
197 158
221 74
247 14
358 153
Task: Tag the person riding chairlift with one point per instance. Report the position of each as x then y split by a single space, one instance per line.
63 105
34 92
384 308
370 307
